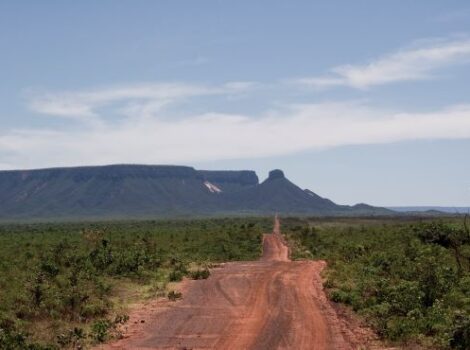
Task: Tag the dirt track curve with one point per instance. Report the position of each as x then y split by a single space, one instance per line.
273 303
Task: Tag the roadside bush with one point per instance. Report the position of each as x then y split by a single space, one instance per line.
173 296
200 274
103 329
72 338
175 276
100 330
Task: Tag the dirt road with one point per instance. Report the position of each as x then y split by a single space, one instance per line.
273 303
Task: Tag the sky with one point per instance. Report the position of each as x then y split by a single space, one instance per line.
359 101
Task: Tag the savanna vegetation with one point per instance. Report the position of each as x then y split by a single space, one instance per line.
70 285
410 280
67 285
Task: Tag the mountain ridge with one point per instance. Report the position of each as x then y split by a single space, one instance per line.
146 191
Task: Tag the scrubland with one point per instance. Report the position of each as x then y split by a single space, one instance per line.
408 279
69 285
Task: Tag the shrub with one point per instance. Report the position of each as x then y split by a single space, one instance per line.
72 338
173 296
175 276
200 274
14 340
461 332
100 330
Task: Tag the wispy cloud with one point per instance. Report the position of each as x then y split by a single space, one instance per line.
212 136
83 105
415 63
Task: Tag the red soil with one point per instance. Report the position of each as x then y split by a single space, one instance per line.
273 303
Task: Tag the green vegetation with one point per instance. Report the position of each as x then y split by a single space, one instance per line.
409 280
67 285
70 285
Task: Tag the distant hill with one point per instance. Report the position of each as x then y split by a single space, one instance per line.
432 209
146 191
278 194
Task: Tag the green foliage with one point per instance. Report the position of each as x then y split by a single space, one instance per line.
63 276
13 340
179 270
200 274
103 329
71 338
410 281
460 338
100 330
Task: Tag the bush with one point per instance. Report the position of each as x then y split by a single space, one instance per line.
175 276
100 330
72 338
173 296
13 340
200 274
461 332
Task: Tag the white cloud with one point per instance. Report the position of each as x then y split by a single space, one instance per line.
82 105
213 136
147 132
416 63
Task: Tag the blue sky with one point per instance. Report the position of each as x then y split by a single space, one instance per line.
360 101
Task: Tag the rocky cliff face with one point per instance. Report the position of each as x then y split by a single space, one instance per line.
276 174
101 192
230 181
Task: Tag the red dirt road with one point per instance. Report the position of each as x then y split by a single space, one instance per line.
273 303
